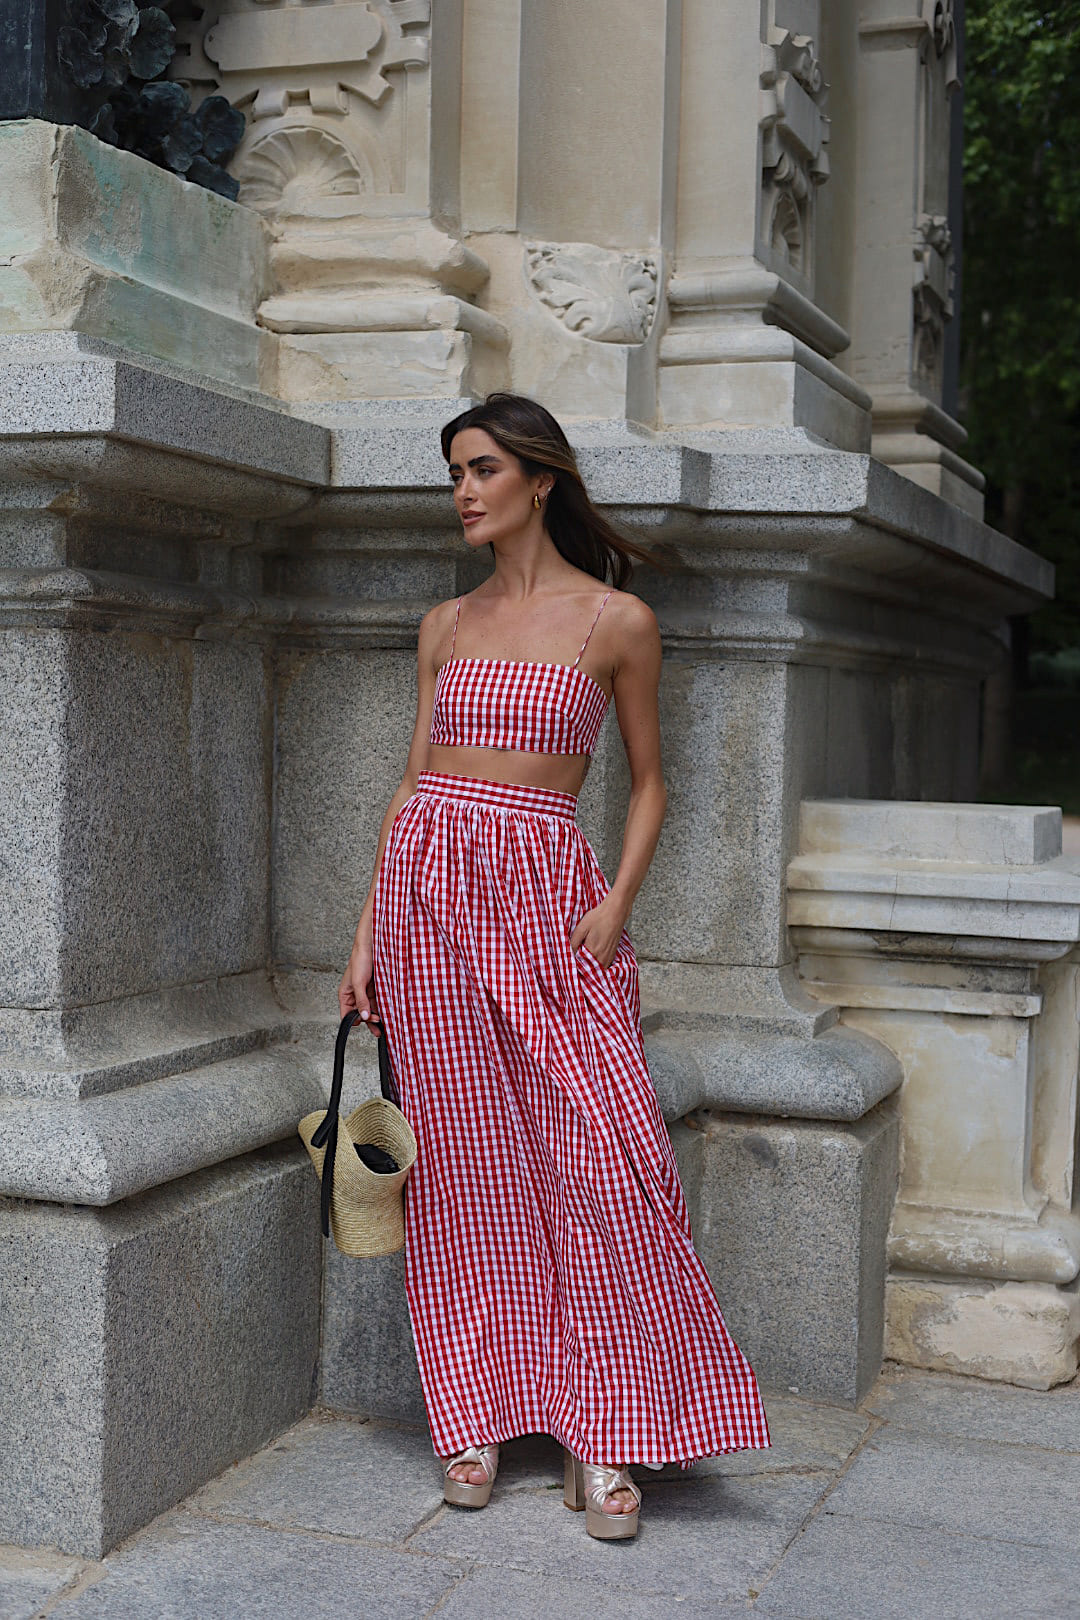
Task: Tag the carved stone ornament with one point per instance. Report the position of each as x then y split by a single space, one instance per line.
320 68
932 298
282 54
609 297
795 133
940 18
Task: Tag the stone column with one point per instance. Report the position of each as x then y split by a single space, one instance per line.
950 933
750 342
569 178
352 155
903 255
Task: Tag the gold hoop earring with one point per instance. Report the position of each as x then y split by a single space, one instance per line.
538 503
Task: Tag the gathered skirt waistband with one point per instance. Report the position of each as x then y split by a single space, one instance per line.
478 790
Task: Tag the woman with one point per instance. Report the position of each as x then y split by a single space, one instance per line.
551 1278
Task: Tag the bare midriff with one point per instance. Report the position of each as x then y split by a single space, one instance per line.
565 773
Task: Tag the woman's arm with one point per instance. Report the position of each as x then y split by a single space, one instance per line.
357 987
638 657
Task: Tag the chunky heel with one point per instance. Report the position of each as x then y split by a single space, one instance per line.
587 1486
573 1484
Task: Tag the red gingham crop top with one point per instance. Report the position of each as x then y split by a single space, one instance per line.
507 703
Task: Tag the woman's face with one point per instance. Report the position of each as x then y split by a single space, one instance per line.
492 491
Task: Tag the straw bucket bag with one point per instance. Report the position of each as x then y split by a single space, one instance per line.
362 1161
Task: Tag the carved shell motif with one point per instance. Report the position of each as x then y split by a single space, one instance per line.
609 297
284 170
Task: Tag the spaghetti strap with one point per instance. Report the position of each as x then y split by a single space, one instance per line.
457 616
592 627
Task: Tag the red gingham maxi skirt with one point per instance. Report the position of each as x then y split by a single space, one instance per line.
552 1284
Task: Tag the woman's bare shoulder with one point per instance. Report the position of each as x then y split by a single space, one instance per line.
436 627
630 616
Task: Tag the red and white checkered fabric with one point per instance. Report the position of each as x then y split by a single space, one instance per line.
552 1283
501 703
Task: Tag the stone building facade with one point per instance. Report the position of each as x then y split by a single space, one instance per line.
715 237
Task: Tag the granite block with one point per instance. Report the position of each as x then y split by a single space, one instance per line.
940 1404
190 1566
344 721
793 1230
368 1363
851 1569
704 1538
167 779
964 1487
330 1475
715 890
131 754
102 384
98 1047
33 706
29 1581
160 1340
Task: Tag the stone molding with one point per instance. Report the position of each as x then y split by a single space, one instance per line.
608 297
934 27
748 289
106 1148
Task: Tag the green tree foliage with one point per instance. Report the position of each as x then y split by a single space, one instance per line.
1021 289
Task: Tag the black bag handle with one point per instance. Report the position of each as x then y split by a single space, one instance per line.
326 1132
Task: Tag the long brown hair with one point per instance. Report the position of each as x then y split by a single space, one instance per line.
526 430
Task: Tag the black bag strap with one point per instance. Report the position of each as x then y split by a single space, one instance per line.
326 1132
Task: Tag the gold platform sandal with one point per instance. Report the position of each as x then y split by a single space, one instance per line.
458 1491
587 1486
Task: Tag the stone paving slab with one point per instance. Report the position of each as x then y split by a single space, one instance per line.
804 1436
29 1579
858 1569
943 1403
375 1482
709 1538
964 1487
186 1567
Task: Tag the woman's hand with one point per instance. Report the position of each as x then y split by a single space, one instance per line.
357 987
601 929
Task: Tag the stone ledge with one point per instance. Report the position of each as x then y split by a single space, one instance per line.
82 410
108 1148
70 385
839 1075
97 240
984 835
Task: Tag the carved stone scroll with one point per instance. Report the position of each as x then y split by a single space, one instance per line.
932 298
795 133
